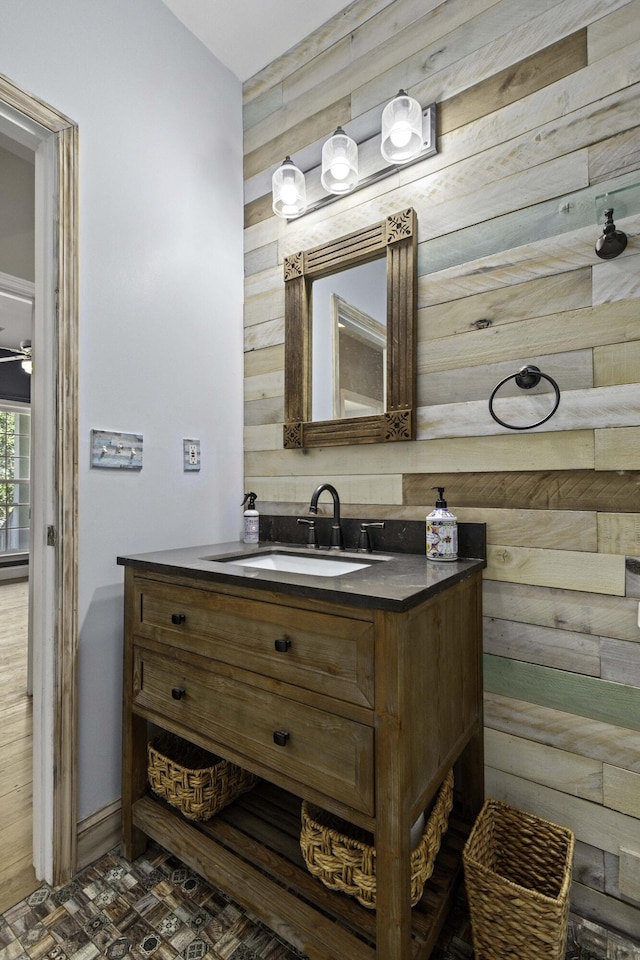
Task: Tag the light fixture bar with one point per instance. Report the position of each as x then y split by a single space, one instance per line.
429 150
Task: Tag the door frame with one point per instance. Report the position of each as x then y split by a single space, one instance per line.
54 547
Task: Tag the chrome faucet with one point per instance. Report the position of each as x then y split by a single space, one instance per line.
336 529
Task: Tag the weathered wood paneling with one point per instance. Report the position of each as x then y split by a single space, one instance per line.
619 283
361 489
617 448
263 437
616 363
531 131
558 769
507 304
596 614
569 570
620 661
608 35
537 490
565 731
574 370
505 453
572 330
261 335
603 700
619 533
577 410
614 156
592 823
515 82
263 386
622 790
268 360
556 529
579 652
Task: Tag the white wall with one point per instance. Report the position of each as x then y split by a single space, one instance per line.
160 302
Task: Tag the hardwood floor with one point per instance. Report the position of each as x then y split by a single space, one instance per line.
17 878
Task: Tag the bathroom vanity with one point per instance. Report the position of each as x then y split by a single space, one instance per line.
356 690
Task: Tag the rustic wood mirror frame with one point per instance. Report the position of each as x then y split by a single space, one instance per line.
396 239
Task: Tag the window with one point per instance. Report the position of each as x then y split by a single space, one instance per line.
15 499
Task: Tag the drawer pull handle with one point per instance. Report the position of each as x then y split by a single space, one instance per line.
178 693
178 618
282 644
280 737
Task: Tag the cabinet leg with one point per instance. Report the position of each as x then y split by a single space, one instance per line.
134 784
470 776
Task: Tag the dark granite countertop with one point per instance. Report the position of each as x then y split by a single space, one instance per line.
393 581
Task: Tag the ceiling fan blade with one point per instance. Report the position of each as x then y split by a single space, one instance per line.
18 356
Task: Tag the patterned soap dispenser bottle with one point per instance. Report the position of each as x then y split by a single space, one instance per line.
442 531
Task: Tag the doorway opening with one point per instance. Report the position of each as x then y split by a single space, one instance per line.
53 494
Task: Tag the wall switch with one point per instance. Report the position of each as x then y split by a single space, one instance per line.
191 454
119 451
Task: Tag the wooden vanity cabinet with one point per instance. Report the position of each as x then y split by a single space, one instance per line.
360 710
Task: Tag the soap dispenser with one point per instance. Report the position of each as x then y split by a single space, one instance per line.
251 519
442 531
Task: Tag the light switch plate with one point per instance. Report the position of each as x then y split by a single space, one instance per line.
116 451
191 454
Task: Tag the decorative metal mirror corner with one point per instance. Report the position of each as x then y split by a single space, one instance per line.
350 332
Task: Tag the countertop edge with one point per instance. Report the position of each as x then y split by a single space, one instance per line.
374 592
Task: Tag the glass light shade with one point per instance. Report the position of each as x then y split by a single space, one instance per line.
289 190
27 366
402 137
339 163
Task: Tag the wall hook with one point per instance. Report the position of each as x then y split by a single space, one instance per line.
612 242
526 378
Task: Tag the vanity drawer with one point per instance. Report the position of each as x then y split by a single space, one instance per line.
330 753
327 653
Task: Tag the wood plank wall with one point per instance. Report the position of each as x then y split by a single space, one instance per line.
538 116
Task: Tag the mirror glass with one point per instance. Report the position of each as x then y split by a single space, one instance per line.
350 337
349 343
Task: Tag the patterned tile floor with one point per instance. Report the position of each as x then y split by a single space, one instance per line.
156 907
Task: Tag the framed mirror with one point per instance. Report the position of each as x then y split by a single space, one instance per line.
350 354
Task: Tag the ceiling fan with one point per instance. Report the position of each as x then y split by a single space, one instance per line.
23 352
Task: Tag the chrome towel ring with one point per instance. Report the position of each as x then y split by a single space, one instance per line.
526 378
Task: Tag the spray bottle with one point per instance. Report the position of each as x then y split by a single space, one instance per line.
251 519
442 531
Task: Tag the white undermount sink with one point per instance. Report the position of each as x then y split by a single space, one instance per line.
317 565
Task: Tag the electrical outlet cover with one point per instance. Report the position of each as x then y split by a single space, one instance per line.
191 454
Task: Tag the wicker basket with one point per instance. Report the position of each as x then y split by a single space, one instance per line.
339 855
198 783
517 871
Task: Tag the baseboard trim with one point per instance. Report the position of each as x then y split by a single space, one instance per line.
98 833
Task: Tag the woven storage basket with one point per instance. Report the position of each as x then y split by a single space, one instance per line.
517 871
337 853
198 783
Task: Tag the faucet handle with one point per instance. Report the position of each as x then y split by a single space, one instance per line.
312 538
364 541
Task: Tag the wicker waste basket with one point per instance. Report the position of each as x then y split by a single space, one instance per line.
196 782
343 857
517 870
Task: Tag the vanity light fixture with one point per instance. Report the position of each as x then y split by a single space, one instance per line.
402 138
339 163
408 136
289 190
